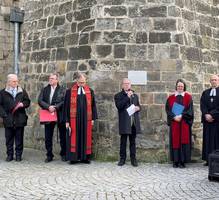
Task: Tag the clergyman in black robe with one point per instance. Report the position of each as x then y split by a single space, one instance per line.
210 118
79 114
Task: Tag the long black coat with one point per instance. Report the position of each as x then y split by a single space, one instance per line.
57 100
8 103
122 102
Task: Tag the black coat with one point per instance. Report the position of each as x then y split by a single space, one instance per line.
57 100
8 103
122 102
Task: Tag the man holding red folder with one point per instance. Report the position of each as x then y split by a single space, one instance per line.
51 100
13 102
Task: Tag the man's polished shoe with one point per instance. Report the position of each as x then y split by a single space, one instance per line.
9 158
134 162
182 165
18 158
86 161
121 162
48 159
175 165
63 158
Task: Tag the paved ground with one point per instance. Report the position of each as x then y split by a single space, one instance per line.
33 179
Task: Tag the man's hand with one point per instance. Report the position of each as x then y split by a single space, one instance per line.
52 109
178 118
130 93
92 122
209 118
137 108
67 125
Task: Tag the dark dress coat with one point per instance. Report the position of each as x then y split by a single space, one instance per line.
8 103
210 105
122 102
57 100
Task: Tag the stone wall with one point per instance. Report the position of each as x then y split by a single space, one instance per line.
169 39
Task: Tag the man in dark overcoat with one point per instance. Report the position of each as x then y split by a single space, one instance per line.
51 98
129 124
13 102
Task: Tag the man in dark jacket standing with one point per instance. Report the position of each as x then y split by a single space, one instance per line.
129 124
52 98
13 102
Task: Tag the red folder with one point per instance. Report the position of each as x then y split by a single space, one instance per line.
46 116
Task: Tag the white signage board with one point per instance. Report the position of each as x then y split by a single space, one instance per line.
138 77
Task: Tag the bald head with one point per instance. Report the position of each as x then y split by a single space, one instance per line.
12 80
214 80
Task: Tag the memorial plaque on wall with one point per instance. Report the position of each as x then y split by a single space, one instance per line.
138 77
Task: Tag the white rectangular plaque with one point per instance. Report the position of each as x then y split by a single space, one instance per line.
138 77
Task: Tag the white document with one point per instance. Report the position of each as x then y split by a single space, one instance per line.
131 109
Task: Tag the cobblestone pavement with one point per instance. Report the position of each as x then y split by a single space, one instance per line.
34 179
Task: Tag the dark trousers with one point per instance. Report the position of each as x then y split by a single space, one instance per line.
132 144
49 130
17 135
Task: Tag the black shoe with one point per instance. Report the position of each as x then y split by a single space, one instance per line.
9 158
205 164
134 162
182 165
121 162
175 165
48 159
72 162
63 158
18 158
86 161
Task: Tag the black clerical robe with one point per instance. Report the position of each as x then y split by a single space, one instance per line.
80 153
180 133
210 105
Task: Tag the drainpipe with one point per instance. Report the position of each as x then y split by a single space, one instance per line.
16 17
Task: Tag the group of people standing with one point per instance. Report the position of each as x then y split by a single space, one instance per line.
180 122
76 111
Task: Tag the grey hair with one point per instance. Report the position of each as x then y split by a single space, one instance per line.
11 76
80 75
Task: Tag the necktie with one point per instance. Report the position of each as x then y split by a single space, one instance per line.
213 92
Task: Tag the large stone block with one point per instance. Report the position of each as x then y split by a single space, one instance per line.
116 37
72 66
165 24
42 23
119 51
95 36
159 37
105 24
78 53
41 56
65 8
103 50
82 14
143 24
159 11
59 20
155 112
113 2
84 24
55 42
115 11
124 24
141 37
160 98
61 54
146 98
83 38
137 51
85 3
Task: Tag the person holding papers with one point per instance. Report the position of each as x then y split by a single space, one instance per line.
210 118
128 107
79 114
13 102
51 99
180 115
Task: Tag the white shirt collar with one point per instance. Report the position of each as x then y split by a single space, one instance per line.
177 93
213 92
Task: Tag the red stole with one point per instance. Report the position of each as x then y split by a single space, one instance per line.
180 129
73 115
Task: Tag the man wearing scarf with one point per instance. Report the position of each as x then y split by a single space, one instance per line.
13 102
210 118
180 124
79 114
